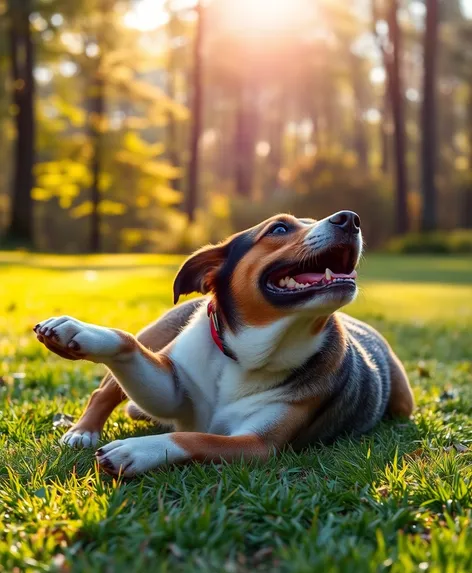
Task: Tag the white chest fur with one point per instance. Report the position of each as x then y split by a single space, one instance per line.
225 392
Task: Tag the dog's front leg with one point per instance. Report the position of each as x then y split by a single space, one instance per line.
137 455
86 432
258 435
148 379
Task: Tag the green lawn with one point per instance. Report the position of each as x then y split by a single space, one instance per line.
397 500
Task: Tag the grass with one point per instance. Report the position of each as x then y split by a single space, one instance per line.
397 500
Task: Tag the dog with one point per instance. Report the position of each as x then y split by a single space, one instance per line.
262 361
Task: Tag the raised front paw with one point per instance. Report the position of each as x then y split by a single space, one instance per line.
72 339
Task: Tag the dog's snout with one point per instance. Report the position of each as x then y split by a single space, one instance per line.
348 221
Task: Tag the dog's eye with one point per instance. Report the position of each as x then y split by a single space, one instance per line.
278 229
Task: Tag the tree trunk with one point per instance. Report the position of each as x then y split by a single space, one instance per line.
465 198
428 119
96 111
360 137
397 102
171 137
244 142
384 135
171 128
469 122
196 108
276 129
20 227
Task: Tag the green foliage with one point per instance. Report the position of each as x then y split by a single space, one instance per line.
458 241
396 500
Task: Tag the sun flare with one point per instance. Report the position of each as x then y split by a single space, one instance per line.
241 17
252 17
148 15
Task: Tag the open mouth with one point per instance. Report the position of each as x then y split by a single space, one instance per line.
334 268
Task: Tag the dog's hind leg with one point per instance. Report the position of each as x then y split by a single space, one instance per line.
401 402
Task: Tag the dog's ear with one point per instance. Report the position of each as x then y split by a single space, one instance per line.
198 272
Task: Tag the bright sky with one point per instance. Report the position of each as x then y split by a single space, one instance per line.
151 14
243 15
467 5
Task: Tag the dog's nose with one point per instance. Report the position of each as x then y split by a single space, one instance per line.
348 221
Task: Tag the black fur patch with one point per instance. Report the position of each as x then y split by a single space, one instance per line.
236 250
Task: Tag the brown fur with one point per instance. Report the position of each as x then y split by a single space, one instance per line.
401 403
254 308
212 447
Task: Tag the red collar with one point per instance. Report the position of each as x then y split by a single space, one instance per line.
216 331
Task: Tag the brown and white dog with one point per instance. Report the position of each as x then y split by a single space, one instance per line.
263 362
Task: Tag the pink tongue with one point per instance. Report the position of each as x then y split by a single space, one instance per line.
317 277
309 278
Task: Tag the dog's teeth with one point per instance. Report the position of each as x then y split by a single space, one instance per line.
328 275
282 282
291 283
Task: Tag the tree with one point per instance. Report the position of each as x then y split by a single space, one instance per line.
22 56
391 49
100 169
196 112
428 119
96 116
245 139
173 64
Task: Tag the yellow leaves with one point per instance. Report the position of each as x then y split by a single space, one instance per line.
74 114
220 206
39 194
161 169
166 195
62 179
461 163
156 169
104 182
69 190
123 74
63 173
50 179
65 202
142 202
77 170
132 237
82 210
106 207
136 144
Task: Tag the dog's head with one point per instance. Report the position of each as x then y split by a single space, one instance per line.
280 267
